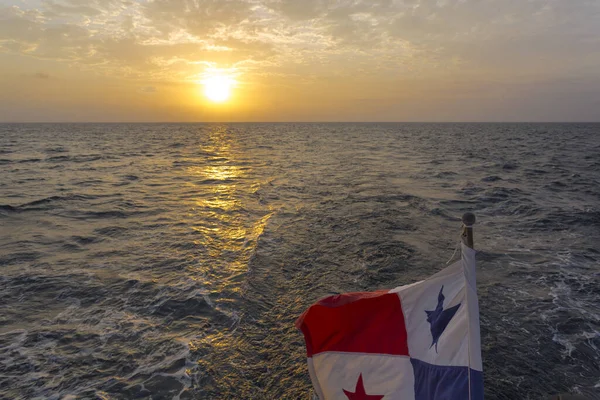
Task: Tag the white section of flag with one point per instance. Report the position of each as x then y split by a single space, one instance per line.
453 349
392 376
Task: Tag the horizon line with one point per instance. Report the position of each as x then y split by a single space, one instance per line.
299 122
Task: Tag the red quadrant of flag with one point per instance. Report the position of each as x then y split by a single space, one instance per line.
370 322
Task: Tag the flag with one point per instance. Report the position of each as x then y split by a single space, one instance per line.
420 341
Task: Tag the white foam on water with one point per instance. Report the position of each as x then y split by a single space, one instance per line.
569 295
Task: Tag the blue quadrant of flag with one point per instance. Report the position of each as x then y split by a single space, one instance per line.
441 382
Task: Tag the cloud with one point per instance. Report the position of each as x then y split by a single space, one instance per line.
163 37
56 9
148 89
303 42
199 18
41 75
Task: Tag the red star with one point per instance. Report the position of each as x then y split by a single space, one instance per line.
359 392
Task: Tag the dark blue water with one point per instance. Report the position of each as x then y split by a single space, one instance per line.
170 261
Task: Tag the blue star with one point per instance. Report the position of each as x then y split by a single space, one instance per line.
439 319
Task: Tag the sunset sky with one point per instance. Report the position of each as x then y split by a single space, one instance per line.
300 60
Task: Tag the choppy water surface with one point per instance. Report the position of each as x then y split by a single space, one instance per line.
157 261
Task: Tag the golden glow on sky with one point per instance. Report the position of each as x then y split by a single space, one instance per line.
217 87
299 60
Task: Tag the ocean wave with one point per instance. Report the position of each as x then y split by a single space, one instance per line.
142 273
559 220
45 203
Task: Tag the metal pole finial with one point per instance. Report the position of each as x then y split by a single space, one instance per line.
468 219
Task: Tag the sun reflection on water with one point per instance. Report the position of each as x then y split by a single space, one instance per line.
228 220
217 172
227 217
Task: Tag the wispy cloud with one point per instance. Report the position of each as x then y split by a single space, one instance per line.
41 75
384 34
306 41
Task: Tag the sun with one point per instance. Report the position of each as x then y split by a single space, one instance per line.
217 88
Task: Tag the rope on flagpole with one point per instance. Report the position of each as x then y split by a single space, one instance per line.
455 250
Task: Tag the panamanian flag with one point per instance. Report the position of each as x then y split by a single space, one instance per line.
414 342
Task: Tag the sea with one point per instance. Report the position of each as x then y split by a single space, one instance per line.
170 261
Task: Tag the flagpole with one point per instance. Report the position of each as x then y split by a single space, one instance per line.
468 220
